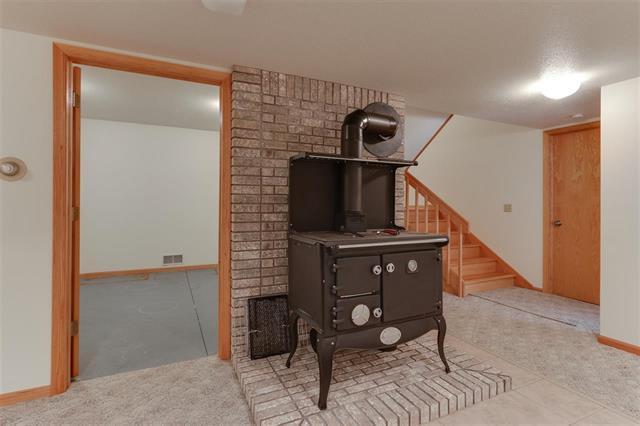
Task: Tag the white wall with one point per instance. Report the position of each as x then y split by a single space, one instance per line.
419 127
620 212
26 118
477 166
25 206
147 191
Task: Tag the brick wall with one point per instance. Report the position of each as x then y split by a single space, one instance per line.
275 116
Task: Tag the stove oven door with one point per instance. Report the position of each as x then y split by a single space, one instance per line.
355 312
411 284
357 275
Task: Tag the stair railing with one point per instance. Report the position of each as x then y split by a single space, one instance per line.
452 224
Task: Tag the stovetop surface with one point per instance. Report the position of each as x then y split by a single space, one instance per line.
371 235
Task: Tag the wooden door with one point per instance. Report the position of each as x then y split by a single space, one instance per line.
573 217
75 258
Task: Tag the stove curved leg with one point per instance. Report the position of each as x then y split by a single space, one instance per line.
293 336
326 348
442 330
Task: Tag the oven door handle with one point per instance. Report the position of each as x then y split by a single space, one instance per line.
442 240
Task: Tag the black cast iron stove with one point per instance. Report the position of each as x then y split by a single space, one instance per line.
358 279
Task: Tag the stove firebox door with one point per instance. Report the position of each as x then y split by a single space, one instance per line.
411 284
357 275
356 312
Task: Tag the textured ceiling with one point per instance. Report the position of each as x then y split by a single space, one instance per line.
123 96
473 58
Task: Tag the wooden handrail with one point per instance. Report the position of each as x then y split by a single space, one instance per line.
450 217
443 207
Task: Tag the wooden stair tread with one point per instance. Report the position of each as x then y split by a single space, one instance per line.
473 260
490 276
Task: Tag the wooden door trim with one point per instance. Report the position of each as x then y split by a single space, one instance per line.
547 198
64 55
76 78
573 128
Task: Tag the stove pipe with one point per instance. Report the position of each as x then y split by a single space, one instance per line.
355 127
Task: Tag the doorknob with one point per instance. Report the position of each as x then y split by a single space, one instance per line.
557 222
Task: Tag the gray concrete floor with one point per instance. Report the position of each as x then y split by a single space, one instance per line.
136 322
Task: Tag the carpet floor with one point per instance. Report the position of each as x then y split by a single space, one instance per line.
549 306
204 390
201 391
565 354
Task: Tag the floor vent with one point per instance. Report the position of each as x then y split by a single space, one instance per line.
173 259
268 326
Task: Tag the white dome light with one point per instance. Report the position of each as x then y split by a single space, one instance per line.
229 7
559 85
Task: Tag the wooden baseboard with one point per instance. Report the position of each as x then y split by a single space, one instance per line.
107 274
618 344
24 395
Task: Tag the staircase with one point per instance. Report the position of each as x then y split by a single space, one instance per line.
469 266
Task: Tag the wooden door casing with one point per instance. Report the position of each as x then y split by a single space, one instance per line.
75 256
573 216
64 56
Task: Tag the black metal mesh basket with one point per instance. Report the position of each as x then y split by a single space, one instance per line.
268 326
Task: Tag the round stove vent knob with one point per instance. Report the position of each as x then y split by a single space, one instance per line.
391 267
412 265
377 270
377 312
360 315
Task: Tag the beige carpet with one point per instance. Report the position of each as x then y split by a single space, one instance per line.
205 390
549 306
565 354
202 391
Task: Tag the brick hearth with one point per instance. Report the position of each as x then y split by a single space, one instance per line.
406 386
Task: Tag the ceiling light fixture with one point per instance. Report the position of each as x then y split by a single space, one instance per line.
558 85
229 7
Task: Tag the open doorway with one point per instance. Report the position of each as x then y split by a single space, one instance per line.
148 173
67 203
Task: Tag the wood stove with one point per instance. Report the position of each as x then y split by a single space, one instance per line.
358 279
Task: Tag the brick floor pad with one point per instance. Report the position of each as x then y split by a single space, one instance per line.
406 386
